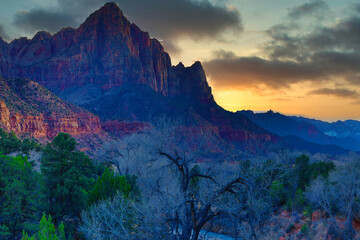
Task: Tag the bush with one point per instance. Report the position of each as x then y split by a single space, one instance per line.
304 228
108 185
277 192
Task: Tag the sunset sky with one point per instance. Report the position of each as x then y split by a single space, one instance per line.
295 57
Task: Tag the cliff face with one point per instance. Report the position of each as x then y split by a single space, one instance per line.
28 109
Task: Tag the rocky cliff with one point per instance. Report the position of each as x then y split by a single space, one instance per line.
28 109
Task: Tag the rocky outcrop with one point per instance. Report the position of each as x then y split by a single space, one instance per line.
4 115
28 109
193 83
48 127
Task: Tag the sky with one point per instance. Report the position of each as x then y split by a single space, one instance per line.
298 57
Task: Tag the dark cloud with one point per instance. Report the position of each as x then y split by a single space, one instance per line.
3 34
310 8
344 36
40 19
244 72
222 54
167 20
174 18
337 92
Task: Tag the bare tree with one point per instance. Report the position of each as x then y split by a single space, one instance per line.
322 195
109 219
339 192
186 186
346 181
120 218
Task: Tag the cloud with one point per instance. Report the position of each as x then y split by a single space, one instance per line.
222 54
337 92
245 72
310 8
281 100
290 41
343 36
177 18
3 34
40 19
167 20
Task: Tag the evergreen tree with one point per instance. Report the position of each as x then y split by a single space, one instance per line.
303 171
68 177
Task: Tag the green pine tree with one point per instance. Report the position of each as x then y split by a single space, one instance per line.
69 177
47 231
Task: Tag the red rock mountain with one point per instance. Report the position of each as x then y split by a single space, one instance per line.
106 50
116 71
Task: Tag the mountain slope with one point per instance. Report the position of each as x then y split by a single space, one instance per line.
299 144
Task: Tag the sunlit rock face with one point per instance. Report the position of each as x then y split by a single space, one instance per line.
26 108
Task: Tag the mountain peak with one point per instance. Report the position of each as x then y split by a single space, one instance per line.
110 6
2 41
42 35
197 64
108 18
109 9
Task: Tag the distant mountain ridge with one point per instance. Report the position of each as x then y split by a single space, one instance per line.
340 129
309 130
